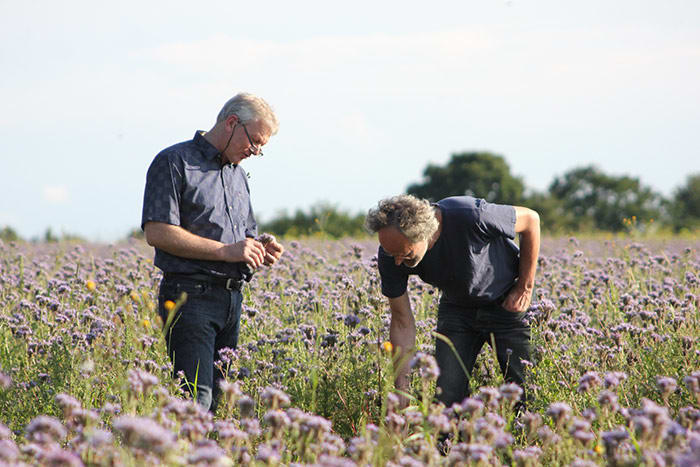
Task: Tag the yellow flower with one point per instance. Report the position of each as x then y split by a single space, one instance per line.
91 285
387 347
145 323
599 449
169 305
134 296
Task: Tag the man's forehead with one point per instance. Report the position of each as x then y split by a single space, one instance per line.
393 241
261 129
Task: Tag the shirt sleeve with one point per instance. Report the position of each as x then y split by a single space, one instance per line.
161 199
251 225
497 219
251 229
394 281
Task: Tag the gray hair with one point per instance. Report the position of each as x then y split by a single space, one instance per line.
249 108
413 217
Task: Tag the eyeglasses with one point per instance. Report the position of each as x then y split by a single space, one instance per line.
254 148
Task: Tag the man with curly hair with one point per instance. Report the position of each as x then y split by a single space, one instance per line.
464 247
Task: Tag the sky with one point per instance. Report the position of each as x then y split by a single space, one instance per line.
367 93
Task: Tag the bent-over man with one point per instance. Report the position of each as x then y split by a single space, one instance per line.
198 215
463 246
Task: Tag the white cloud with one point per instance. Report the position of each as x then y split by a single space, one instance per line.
55 194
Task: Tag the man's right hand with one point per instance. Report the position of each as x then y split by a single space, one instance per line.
249 251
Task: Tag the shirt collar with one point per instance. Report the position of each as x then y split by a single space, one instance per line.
208 149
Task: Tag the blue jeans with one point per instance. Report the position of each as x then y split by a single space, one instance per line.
468 328
207 322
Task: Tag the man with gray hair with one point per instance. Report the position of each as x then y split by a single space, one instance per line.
463 246
198 215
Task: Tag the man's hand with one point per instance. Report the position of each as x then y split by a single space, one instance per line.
518 299
249 251
273 250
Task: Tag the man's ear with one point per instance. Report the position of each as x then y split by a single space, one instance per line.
231 121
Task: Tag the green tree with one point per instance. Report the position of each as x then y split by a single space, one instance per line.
550 210
685 205
591 199
322 218
8 234
49 236
481 174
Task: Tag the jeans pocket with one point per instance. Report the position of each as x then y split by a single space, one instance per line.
503 312
173 291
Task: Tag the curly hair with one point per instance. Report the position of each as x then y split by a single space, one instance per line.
413 217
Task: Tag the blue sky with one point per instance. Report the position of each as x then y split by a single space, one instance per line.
367 93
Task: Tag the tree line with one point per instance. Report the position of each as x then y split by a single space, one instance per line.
584 199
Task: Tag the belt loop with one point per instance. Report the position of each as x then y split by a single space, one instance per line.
229 282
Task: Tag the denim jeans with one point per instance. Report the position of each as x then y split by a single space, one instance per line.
207 322
468 328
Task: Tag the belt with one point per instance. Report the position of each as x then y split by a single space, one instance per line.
229 283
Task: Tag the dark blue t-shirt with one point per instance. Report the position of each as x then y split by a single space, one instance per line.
473 261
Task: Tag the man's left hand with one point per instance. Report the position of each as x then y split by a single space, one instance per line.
518 299
273 252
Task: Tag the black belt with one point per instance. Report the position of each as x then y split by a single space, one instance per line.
229 283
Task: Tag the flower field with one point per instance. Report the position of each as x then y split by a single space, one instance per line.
84 378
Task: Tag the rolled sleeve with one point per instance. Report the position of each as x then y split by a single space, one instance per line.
161 199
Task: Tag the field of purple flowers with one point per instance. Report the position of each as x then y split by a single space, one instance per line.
84 380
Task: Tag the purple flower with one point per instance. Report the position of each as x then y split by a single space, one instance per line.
8 451
693 383
68 404
588 381
45 429
268 455
5 381
583 463
560 412
479 452
208 455
613 379
490 396
511 392
59 457
395 422
548 436
141 381
145 434
472 406
274 398
608 399
99 438
527 456
427 366
440 423
277 420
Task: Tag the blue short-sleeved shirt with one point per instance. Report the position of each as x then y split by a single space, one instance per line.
474 260
187 185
